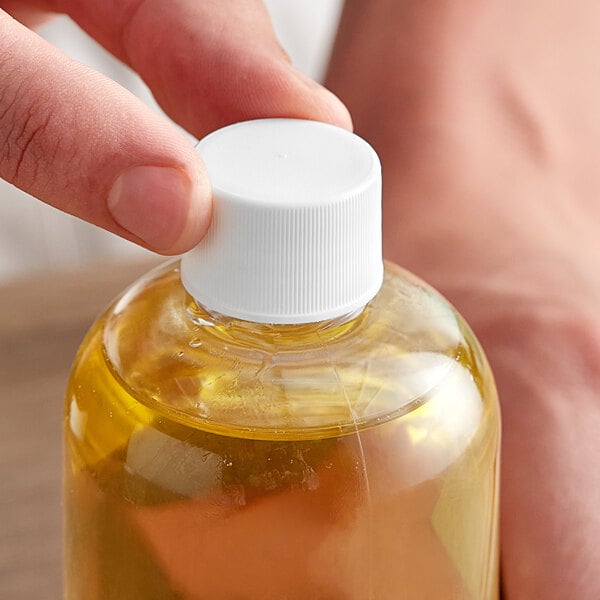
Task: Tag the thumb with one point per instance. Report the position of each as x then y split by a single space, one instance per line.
78 141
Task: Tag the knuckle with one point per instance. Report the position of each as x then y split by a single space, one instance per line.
23 123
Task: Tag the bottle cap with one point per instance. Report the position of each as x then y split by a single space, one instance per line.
296 229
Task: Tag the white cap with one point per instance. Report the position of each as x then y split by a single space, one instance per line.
296 229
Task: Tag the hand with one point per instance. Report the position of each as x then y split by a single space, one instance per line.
486 118
79 142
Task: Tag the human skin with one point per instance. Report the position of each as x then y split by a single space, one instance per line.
485 117
78 141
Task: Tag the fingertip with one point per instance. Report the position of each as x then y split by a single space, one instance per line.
339 114
328 107
166 208
198 216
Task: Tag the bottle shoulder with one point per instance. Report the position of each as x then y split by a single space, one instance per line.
407 348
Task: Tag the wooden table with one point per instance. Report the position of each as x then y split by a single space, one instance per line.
42 322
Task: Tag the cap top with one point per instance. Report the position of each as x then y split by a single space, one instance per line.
279 163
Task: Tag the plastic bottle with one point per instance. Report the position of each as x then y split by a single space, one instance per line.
290 422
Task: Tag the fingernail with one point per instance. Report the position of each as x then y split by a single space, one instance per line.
152 203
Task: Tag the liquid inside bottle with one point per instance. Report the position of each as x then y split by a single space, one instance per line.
211 458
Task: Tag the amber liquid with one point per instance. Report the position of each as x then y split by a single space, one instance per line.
206 461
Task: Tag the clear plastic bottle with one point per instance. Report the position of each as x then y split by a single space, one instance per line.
293 452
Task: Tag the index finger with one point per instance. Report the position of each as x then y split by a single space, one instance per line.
208 63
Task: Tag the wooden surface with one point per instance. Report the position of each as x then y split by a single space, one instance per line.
42 322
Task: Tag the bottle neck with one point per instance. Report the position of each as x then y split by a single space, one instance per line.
264 334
